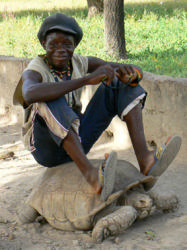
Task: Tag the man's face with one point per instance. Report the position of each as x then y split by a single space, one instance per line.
59 48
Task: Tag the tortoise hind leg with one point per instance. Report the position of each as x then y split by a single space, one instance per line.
114 223
26 214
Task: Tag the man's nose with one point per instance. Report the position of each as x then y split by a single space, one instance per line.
60 47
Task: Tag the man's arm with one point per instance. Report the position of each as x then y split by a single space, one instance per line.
123 71
34 90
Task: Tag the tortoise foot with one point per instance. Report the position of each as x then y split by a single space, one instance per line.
26 214
114 223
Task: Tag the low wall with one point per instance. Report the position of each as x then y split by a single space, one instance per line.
11 70
165 112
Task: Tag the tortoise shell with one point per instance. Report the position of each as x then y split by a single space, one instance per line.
68 202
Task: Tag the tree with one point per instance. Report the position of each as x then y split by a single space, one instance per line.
94 7
114 28
113 24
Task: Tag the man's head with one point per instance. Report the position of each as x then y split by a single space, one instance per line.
59 35
63 23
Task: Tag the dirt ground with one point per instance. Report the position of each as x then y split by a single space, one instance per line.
18 173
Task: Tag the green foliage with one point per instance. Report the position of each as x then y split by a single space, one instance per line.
150 235
155 32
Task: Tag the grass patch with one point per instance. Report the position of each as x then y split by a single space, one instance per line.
155 31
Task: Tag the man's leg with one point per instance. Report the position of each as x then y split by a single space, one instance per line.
136 131
48 152
54 149
73 147
93 122
150 162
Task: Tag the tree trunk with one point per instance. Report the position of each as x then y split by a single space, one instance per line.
94 7
114 28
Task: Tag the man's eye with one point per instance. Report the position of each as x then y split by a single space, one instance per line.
53 45
61 45
66 45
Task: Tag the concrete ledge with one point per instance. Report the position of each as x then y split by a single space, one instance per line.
165 112
166 107
11 70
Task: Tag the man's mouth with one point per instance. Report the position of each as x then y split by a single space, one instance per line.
60 57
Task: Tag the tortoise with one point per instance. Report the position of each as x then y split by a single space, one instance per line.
65 199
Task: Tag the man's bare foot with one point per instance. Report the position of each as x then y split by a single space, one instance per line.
103 185
97 184
150 162
147 163
94 181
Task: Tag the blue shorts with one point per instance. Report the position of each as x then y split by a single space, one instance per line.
104 105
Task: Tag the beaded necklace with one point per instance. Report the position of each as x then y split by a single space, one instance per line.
64 75
60 74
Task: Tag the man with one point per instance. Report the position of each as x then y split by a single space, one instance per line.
56 130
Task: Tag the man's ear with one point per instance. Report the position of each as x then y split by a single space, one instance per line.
44 44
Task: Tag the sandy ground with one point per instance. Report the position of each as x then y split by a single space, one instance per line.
18 173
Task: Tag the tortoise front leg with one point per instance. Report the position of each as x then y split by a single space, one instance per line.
164 200
114 223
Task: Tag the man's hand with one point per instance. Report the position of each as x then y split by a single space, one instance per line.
126 73
102 73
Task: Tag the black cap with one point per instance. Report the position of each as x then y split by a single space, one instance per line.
61 22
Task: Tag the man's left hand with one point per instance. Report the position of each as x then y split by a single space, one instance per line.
126 73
